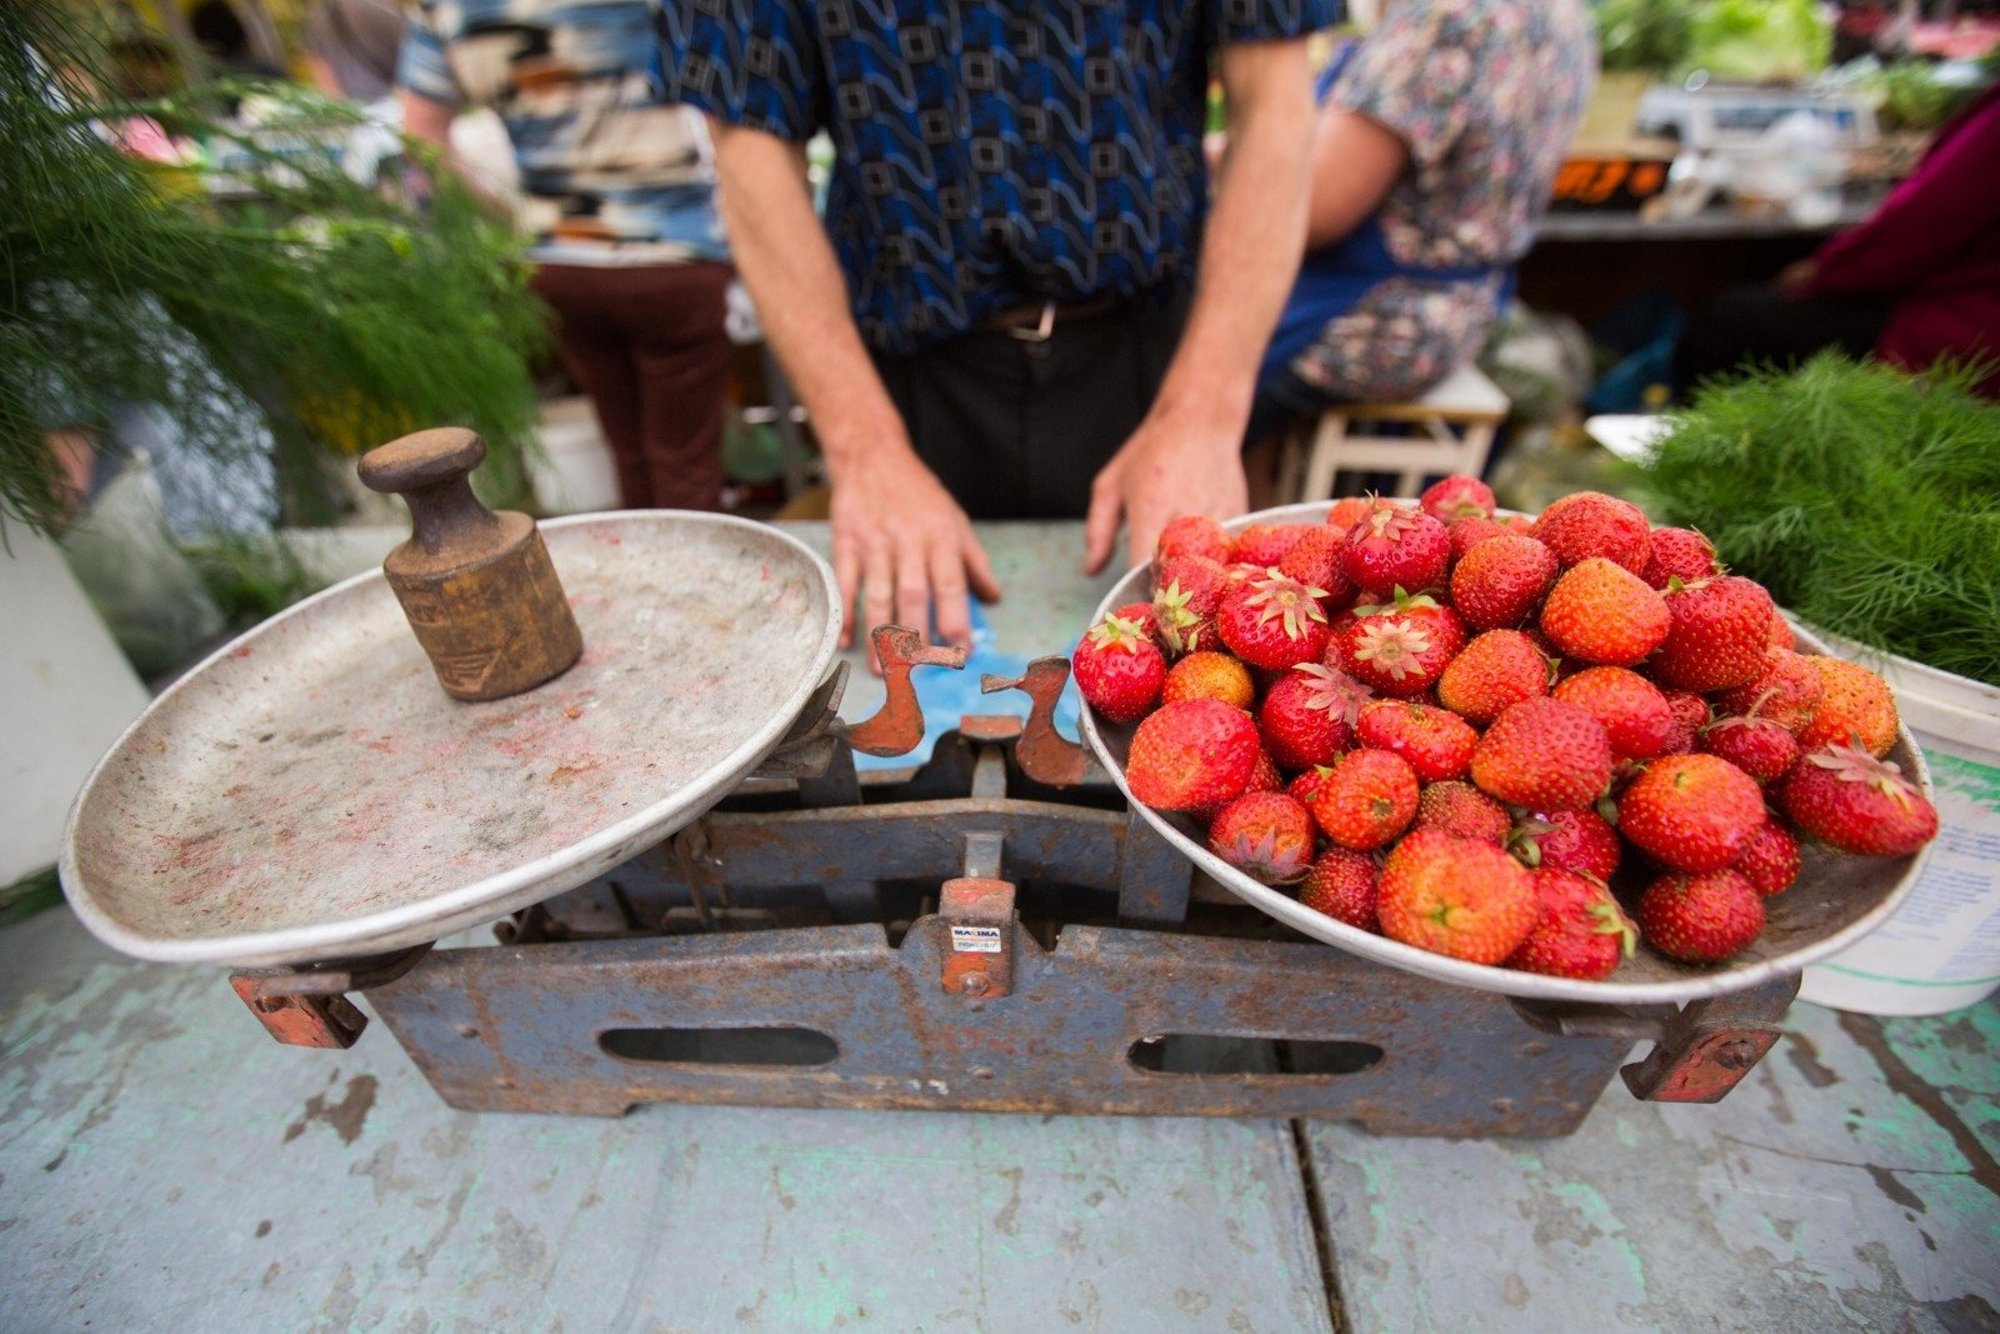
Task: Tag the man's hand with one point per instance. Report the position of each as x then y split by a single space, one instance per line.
900 541
1171 466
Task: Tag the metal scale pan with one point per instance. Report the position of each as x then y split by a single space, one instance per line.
1837 899
309 793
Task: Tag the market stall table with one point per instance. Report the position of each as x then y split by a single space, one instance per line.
161 1163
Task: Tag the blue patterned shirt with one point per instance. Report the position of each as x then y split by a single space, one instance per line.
988 154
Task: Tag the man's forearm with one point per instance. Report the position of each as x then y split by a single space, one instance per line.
1256 235
789 266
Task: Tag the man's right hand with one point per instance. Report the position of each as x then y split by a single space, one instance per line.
902 543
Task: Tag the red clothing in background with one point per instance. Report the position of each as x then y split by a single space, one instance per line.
1933 249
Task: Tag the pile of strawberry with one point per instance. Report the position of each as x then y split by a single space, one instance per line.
1451 728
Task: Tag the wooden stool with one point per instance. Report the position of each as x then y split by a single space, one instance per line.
1453 429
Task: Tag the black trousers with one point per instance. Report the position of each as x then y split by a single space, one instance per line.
1764 326
1017 429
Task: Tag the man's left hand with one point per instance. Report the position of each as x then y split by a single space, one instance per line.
1171 466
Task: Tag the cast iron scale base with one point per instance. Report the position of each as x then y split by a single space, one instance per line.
994 931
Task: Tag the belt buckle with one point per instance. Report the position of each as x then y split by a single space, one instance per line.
1043 328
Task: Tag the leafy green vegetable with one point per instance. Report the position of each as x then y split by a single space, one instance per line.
1759 41
1866 500
1642 34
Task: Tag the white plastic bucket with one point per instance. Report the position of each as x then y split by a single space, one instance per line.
1941 950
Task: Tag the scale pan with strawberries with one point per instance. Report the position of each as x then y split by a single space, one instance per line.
1837 899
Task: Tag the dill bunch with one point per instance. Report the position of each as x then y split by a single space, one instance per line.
1867 500
345 313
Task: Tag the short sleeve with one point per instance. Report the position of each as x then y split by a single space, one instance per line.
1412 75
421 65
754 63
1276 20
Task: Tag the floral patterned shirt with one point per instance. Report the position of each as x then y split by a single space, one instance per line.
1486 95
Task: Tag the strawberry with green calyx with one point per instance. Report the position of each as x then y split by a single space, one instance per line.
1368 799
1787 693
1691 812
1680 553
1718 632
1191 755
1187 592
1469 533
1581 840
1854 703
1399 652
1194 535
1770 860
1307 713
1543 754
1600 612
1118 670
1850 800
1348 511
1396 547
1266 544
1273 622
1314 561
1456 896
1459 808
1266 835
1205 674
1690 716
1342 884
1497 669
1457 497
1701 918
1437 743
1580 931
1146 617
1585 524
1636 716
1757 746
1501 581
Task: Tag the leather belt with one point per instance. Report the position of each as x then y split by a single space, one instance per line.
1035 322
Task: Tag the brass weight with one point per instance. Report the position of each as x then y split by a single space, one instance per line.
478 587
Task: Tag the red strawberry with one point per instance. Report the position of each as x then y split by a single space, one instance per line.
1400 653
1720 630
1342 884
1187 592
1315 562
1194 535
1691 812
1266 835
1266 544
1396 548
1457 497
1701 918
1368 799
1580 930
1781 633
1770 860
1462 809
1469 533
1635 714
1437 743
1567 841
1119 670
1265 777
1854 703
1192 754
1501 581
1348 511
1690 716
1305 716
1787 693
1757 746
1456 896
1543 753
1845 797
1146 617
1273 623
1590 523
1600 612
1307 785
1679 553
1495 670
1209 675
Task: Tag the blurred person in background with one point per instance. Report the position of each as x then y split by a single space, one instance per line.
1916 281
351 48
1439 137
1020 304
619 195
